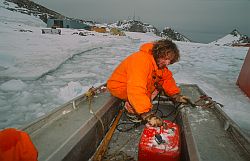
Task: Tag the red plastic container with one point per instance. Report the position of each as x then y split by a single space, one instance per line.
168 150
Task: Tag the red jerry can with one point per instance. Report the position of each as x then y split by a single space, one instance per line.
160 143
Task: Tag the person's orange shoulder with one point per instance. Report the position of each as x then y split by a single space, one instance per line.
147 47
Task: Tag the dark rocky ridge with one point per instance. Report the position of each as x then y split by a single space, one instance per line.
29 7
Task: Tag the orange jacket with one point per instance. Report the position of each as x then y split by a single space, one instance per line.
16 145
135 77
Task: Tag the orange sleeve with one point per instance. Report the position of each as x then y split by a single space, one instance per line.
28 150
16 145
169 84
138 70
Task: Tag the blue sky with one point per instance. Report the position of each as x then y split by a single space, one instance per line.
200 20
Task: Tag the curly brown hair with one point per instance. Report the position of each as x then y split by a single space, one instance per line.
165 47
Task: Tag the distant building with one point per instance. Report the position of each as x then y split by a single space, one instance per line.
65 23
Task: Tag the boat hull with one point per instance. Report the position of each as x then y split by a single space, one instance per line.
71 132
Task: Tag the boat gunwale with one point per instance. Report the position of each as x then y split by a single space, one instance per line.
69 144
54 114
229 126
65 149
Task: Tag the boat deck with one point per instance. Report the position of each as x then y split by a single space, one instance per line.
207 133
124 145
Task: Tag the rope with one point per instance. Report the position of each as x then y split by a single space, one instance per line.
135 121
134 126
206 102
89 96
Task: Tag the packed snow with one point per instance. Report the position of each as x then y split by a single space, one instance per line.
39 72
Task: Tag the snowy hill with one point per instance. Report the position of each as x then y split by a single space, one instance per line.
172 34
134 26
235 37
13 18
138 26
30 8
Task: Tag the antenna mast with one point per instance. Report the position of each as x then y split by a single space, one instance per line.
134 15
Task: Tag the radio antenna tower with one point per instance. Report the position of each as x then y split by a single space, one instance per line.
134 15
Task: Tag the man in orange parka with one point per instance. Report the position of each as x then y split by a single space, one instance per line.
16 145
139 77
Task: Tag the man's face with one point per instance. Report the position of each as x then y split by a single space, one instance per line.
163 62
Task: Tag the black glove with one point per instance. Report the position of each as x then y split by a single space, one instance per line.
152 119
180 98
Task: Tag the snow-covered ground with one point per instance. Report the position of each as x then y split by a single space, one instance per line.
39 72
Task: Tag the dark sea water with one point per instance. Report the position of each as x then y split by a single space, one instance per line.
203 37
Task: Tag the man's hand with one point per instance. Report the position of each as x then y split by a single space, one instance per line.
155 121
152 119
180 98
129 108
